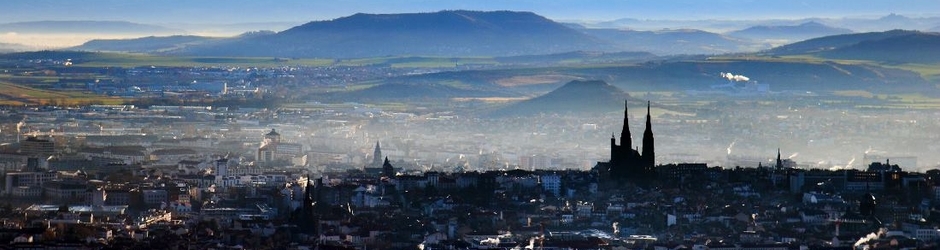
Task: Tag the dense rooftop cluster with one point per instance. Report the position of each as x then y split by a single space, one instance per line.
142 186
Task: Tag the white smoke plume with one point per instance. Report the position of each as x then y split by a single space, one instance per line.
20 125
733 77
731 146
863 240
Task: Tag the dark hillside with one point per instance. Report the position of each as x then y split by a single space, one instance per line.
832 42
910 48
144 44
575 97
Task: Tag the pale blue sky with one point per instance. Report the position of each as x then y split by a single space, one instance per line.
239 11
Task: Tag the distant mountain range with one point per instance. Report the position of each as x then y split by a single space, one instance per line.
671 42
789 33
508 34
445 33
95 27
888 22
575 97
885 23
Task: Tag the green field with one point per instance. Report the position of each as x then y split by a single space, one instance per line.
138 60
13 94
930 72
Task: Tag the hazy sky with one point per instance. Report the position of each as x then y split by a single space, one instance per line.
240 11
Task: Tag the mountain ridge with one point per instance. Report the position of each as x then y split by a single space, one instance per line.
919 47
829 42
443 33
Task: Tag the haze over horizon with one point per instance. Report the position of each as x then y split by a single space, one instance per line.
249 11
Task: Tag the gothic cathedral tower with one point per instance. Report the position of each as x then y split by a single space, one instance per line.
627 163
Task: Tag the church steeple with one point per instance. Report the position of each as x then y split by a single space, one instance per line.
779 161
307 220
626 140
308 197
648 149
377 155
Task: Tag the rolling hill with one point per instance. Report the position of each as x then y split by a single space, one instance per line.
575 97
150 44
444 33
832 42
894 47
910 48
791 33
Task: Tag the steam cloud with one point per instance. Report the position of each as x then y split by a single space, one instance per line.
733 77
864 240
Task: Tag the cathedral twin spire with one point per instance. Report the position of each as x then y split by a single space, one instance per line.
628 163
626 139
648 136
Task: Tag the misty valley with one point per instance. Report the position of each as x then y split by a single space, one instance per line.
461 129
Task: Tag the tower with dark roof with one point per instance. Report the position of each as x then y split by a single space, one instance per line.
273 136
267 152
387 169
307 220
314 207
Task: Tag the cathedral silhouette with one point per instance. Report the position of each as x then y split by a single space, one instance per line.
627 163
